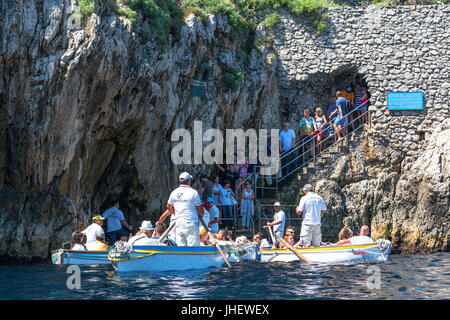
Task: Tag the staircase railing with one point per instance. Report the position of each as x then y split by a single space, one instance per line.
305 161
313 158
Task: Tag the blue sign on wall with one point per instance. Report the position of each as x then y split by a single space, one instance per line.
405 100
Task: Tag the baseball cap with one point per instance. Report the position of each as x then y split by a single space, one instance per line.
98 218
307 187
277 204
209 199
185 176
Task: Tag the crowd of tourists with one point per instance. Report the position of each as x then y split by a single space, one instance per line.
196 223
347 109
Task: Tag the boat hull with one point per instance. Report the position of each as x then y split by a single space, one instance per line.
157 258
80 257
331 254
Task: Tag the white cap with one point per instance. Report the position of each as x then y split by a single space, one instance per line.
185 176
277 204
146 225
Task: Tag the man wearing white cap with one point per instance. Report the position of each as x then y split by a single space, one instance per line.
185 203
279 220
312 207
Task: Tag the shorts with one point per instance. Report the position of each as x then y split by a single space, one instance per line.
311 233
115 235
318 133
339 121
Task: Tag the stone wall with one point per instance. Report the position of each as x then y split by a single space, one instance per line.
403 48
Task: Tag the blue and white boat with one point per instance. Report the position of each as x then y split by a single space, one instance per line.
373 252
168 258
80 257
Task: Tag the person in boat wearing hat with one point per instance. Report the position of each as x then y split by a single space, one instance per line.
94 230
147 235
279 219
312 207
99 245
187 206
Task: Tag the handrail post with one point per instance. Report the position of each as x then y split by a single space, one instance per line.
314 150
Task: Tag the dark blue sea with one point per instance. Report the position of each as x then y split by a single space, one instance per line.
402 277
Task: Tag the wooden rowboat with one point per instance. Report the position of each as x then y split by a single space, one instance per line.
80 257
374 252
167 258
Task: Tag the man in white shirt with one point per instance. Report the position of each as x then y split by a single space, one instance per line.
279 219
187 206
363 237
147 235
287 143
214 215
312 207
94 230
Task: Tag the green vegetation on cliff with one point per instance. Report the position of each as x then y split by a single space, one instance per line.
163 17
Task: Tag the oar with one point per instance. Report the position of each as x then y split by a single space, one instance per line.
172 224
216 244
292 249
271 235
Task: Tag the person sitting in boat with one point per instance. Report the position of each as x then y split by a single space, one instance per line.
289 237
257 239
344 237
147 235
77 240
224 237
99 245
363 237
94 230
204 237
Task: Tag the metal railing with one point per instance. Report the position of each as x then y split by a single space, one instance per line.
277 179
312 150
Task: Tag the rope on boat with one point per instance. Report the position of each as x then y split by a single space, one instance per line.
128 257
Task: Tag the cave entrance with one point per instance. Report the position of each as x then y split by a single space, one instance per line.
342 80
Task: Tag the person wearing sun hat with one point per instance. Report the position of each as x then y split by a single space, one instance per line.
94 230
145 236
187 206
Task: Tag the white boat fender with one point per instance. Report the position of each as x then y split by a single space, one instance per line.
384 245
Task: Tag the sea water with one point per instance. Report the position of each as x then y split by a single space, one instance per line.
401 277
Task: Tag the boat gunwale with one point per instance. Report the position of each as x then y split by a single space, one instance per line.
321 248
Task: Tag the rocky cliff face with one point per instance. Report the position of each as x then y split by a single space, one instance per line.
86 115
405 200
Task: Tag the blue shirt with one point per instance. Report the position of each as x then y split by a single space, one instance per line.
331 110
341 101
286 138
114 217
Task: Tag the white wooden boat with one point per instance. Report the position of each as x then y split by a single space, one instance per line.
79 257
375 252
168 258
